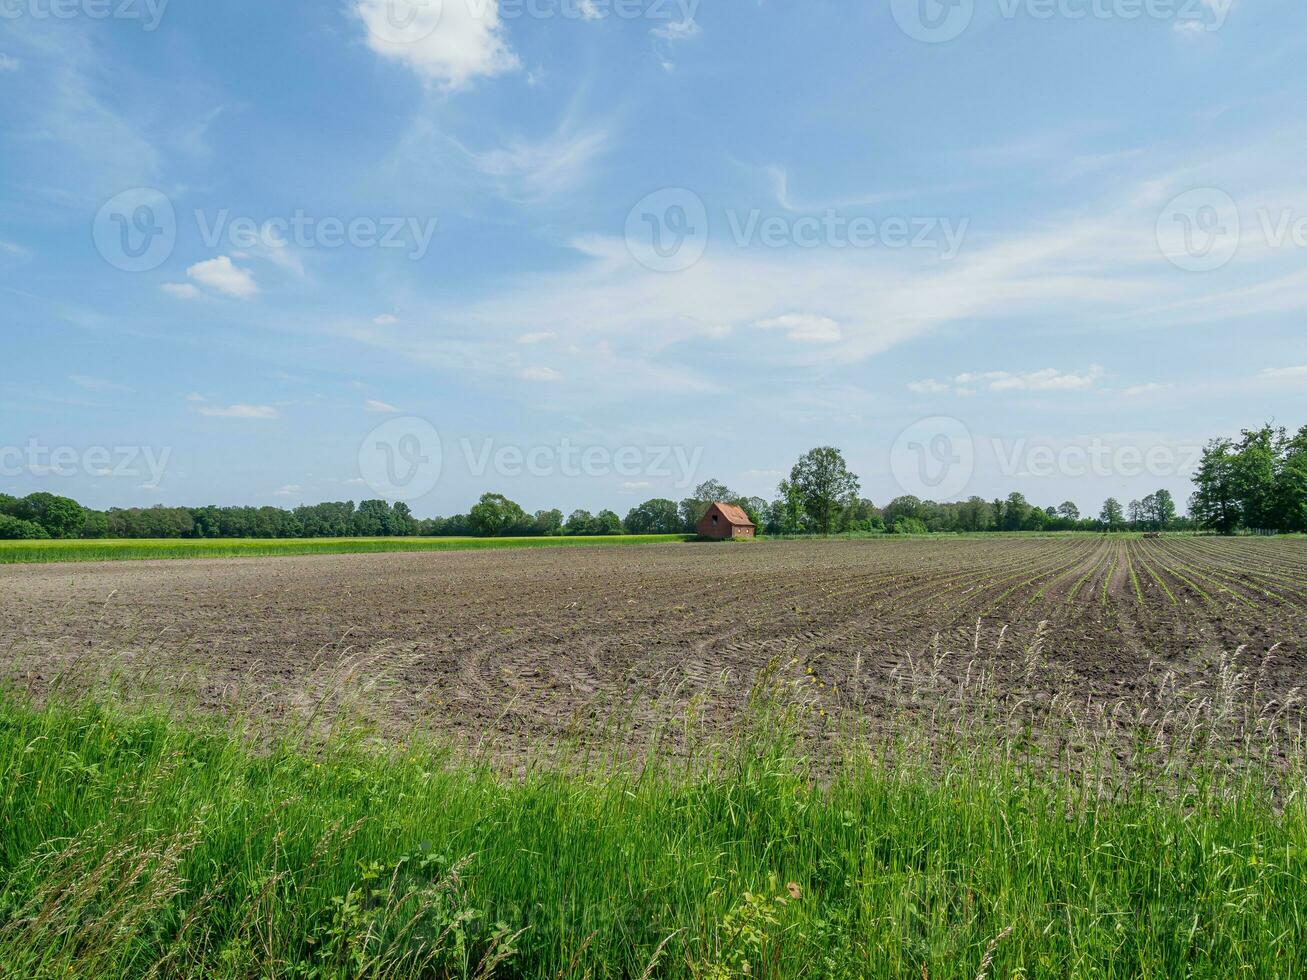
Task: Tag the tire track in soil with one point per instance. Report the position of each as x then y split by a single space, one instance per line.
533 644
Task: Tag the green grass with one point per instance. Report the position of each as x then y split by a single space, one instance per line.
135 845
117 550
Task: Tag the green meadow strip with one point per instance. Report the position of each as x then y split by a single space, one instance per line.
132 845
12 552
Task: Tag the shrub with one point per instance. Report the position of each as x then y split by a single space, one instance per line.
910 525
15 529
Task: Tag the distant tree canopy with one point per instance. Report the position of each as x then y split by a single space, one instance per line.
1257 482
657 516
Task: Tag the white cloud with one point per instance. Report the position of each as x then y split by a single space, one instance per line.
239 411
96 384
385 320
380 407
633 485
1150 388
928 387
589 10
1277 374
1048 379
182 290
8 63
676 30
448 43
224 276
195 396
539 374
539 337
804 328
290 490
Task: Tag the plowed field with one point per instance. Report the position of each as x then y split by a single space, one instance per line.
531 643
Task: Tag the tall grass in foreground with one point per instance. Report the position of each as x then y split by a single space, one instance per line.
92 549
984 838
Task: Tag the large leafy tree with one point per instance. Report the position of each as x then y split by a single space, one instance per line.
1215 504
1112 514
547 522
1255 467
607 522
1159 510
786 515
1291 484
824 484
657 516
495 515
61 517
705 495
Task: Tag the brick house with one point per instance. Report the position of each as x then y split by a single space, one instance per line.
723 521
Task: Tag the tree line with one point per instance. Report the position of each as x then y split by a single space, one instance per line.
1258 482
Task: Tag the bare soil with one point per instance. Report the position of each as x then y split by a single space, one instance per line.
532 644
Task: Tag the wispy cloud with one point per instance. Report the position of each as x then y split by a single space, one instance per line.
380 407
181 290
804 328
532 170
1296 373
539 374
239 411
97 384
1045 380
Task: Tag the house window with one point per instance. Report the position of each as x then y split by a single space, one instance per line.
714 518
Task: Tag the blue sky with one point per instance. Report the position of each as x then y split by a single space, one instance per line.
1046 245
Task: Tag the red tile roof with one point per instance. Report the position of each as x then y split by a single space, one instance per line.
734 515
